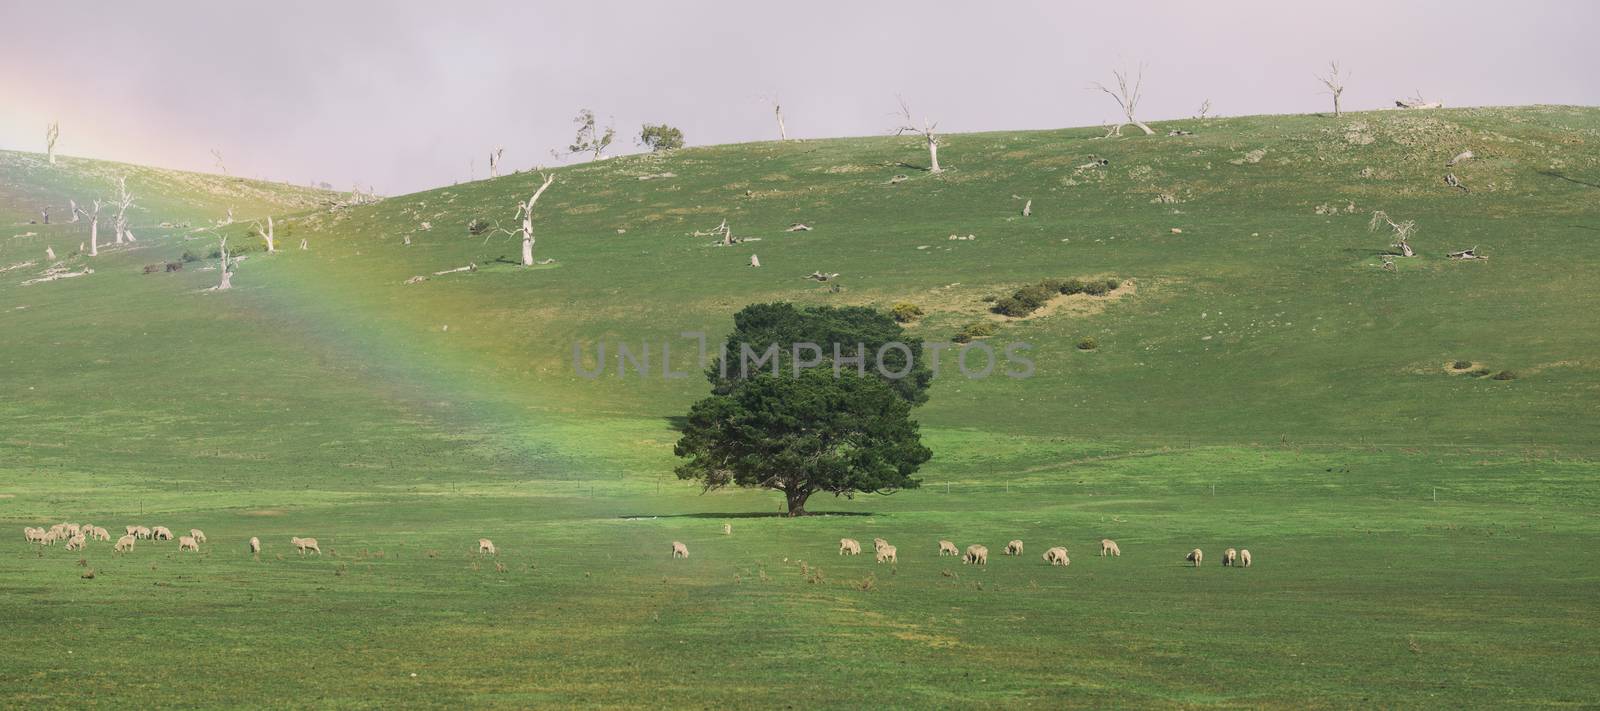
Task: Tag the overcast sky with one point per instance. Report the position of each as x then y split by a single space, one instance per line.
408 95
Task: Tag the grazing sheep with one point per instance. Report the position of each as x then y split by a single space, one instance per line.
255 546
76 543
160 533
50 537
486 546
1057 556
976 555
1229 557
1014 548
305 544
101 534
1244 557
33 535
131 529
1195 556
887 553
72 530
849 546
198 535
188 543
124 544
141 532
878 544
679 550
727 529
948 548
1109 547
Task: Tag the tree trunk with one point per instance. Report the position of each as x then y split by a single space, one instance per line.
94 236
1142 127
1336 106
227 278
271 245
783 133
527 240
933 155
796 499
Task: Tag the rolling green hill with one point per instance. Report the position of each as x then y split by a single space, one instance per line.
1424 533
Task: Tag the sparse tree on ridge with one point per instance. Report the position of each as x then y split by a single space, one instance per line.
590 138
660 137
928 131
494 161
1334 80
218 156
94 227
51 135
1127 98
777 111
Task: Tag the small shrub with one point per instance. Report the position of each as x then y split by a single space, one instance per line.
1012 306
867 584
189 256
1095 288
660 137
1034 296
1113 284
1088 343
1054 285
1072 286
989 298
477 226
1482 372
976 329
905 312
1505 375
1461 364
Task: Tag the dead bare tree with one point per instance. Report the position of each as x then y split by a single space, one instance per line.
1417 102
777 112
494 161
928 131
218 156
589 139
1334 80
267 234
124 201
94 227
227 276
51 135
525 212
1205 108
1402 231
72 206
1127 98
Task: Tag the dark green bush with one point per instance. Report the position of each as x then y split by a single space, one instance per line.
1482 372
1053 285
1095 288
1505 375
989 298
1113 283
1461 364
1072 286
189 256
1012 306
1034 296
1088 343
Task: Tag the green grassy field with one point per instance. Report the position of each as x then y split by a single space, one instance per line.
1423 537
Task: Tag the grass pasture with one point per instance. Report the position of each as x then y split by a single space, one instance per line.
1424 537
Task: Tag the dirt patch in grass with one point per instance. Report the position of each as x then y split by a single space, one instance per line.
264 512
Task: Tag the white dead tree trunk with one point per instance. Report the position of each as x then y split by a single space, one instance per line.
1127 99
1402 231
929 133
267 234
229 221
124 201
221 167
494 161
94 228
73 206
50 253
51 135
227 276
525 211
1335 83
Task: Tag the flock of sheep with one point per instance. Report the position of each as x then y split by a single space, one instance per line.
77 536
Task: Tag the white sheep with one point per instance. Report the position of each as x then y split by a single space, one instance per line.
198 535
124 544
1109 547
160 533
101 534
878 544
1014 548
1195 556
727 529
1229 557
1057 556
305 544
141 532
33 535
976 555
131 529
887 553
255 546
1244 557
679 550
76 543
50 537
948 548
486 546
188 543
849 546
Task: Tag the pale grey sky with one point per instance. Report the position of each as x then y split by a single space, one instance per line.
409 95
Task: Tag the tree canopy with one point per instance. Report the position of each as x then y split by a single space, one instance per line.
809 419
660 137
